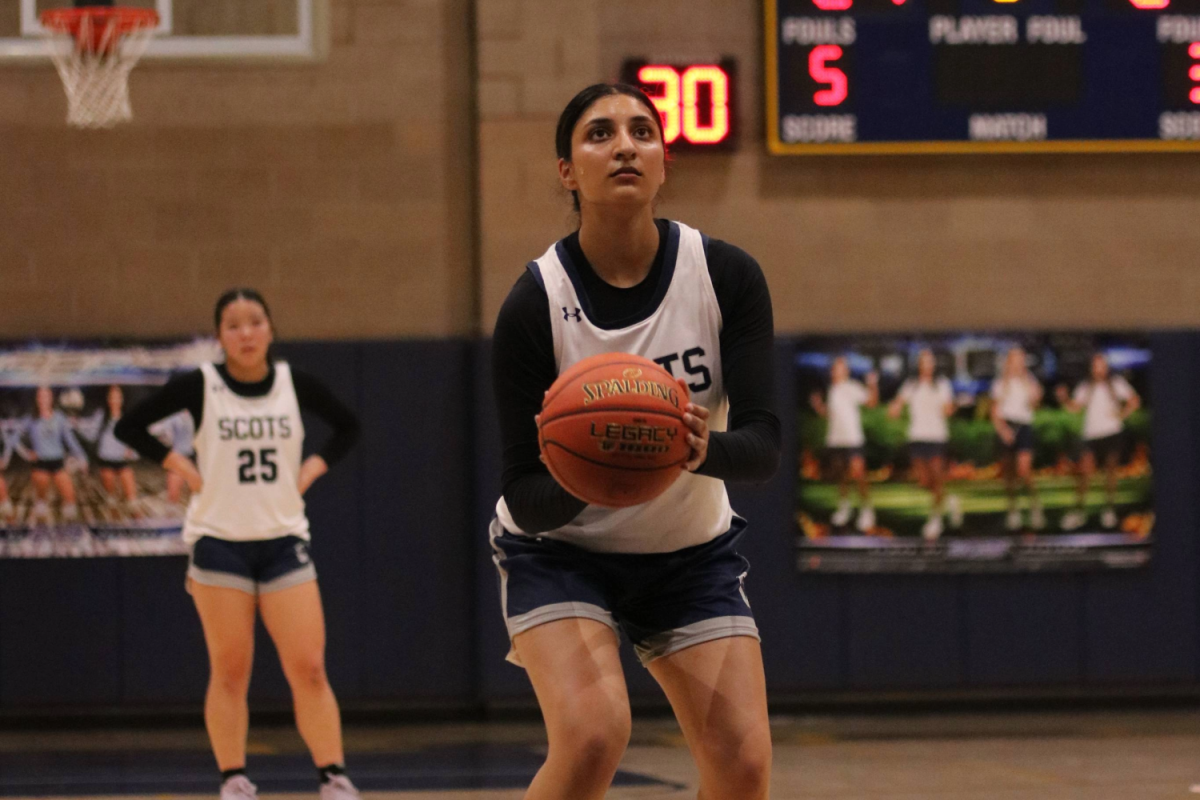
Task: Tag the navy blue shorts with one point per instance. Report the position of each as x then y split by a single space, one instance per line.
48 464
663 602
256 568
844 454
926 450
1105 447
1022 440
104 463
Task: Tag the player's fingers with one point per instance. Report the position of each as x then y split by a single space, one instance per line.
695 423
700 411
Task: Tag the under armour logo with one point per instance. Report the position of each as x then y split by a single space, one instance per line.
576 315
302 554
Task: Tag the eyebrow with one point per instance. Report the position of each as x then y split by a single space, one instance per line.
598 121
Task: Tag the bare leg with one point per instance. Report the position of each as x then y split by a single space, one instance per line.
66 489
858 473
1110 478
1025 472
719 695
936 471
174 488
108 479
41 484
1087 466
296 622
576 674
129 484
227 616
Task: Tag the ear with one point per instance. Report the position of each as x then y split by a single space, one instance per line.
566 175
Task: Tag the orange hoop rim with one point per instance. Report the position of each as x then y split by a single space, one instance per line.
125 18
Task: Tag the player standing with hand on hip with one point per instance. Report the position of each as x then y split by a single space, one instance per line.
248 531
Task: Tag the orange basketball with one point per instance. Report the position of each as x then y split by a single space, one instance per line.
612 432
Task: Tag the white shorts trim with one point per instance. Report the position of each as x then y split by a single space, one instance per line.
553 613
672 641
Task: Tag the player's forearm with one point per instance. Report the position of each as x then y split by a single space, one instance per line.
748 454
538 503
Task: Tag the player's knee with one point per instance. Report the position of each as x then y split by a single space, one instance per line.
594 743
308 673
743 762
231 671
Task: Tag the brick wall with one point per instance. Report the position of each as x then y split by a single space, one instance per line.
345 189
870 243
340 188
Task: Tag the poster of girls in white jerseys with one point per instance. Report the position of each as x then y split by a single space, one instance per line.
68 486
974 452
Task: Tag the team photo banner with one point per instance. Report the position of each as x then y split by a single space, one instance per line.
68 486
974 452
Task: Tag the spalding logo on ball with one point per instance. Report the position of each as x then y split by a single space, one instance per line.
612 432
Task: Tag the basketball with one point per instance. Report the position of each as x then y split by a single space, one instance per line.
612 432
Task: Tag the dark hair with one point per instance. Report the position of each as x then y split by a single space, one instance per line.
240 293
581 102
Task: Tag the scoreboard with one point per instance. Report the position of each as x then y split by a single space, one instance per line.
928 76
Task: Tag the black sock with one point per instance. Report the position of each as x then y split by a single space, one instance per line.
327 772
229 773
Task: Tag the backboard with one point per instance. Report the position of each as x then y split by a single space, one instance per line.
233 30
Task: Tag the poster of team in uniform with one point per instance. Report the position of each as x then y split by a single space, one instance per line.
68 486
974 452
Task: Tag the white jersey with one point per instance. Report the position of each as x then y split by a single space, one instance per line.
682 334
1103 402
845 415
1015 399
927 401
248 450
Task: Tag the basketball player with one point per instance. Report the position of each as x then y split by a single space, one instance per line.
844 439
1107 400
667 573
930 401
52 440
248 533
8 511
176 432
116 459
1015 395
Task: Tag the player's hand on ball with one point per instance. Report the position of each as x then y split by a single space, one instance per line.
182 466
696 418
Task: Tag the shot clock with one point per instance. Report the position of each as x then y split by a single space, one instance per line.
695 100
875 76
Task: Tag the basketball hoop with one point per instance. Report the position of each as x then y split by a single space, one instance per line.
94 49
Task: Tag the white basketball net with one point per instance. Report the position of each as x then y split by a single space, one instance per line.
96 76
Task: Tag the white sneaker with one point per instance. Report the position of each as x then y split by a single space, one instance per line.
1012 520
338 787
954 510
1037 518
40 513
70 513
932 529
239 787
1109 518
866 519
842 515
1073 520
